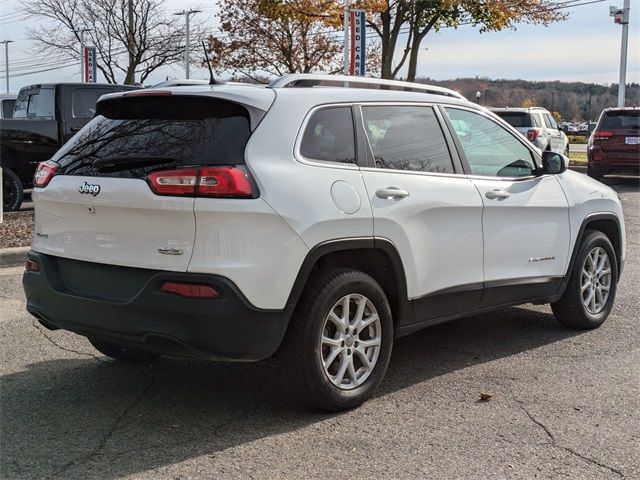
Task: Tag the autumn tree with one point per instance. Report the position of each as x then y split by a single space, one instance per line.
132 37
276 37
405 23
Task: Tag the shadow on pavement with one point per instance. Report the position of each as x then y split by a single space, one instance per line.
94 418
622 184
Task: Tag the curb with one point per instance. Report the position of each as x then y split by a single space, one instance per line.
13 257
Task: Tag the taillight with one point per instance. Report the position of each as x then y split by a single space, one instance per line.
602 135
532 134
190 290
44 173
227 181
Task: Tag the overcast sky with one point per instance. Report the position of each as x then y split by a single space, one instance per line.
584 48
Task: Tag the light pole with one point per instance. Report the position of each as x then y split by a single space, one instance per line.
187 14
6 60
486 96
345 22
80 33
623 53
478 95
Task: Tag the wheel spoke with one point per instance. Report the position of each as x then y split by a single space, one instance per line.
346 301
351 370
598 296
333 342
592 303
367 321
372 342
332 356
344 364
337 321
366 363
585 285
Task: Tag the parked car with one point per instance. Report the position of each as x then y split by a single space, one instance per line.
538 125
314 224
585 129
7 103
614 146
44 118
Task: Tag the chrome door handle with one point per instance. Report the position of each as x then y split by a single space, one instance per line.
497 194
391 192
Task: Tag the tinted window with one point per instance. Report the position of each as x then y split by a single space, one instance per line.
516 119
490 149
550 121
329 136
621 119
407 138
35 103
7 107
145 134
83 101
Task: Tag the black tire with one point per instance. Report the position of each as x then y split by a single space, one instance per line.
566 151
570 309
122 353
12 192
594 172
303 352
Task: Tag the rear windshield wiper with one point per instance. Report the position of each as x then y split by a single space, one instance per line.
122 162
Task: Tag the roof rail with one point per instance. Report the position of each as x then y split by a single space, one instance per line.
313 79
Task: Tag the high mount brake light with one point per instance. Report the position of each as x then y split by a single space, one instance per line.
44 173
602 135
226 182
147 93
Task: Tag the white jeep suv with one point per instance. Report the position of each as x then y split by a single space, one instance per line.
314 219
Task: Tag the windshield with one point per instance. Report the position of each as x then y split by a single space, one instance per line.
35 103
516 119
204 133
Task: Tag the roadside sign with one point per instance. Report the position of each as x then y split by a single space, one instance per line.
358 37
90 65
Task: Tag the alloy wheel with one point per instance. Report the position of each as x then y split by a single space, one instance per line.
595 283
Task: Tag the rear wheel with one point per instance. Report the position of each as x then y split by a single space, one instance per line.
594 172
12 192
120 352
588 298
340 339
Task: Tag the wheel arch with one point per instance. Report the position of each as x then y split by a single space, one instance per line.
377 257
607 223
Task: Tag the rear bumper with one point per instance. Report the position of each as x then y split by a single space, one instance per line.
125 305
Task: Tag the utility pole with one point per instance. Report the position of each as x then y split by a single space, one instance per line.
553 100
6 60
187 14
589 112
623 53
345 22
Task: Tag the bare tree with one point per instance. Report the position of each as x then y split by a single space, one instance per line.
132 37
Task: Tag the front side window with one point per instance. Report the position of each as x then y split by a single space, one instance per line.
407 138
329 136
550 121
490 149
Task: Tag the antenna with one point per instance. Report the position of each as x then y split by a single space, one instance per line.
212 80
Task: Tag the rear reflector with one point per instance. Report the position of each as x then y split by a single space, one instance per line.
602 135
227 181
31 265
44 173
190 290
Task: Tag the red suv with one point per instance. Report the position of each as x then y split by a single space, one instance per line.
614 146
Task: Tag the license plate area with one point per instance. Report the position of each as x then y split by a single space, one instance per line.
632 140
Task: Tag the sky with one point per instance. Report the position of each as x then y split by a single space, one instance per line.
584 48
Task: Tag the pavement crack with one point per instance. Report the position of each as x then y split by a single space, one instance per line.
114 426
57 345
556 444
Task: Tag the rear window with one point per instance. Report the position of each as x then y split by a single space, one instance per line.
518 119
621 119
329 136
131 137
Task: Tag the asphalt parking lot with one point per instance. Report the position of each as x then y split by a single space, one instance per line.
565 403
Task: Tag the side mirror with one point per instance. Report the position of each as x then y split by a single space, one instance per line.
554 163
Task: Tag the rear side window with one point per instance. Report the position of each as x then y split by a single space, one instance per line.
83 101
329 136
407 138
621 119
517 119
132 137
35 103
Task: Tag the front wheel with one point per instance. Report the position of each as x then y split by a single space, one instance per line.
340 339
12 192
588 298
